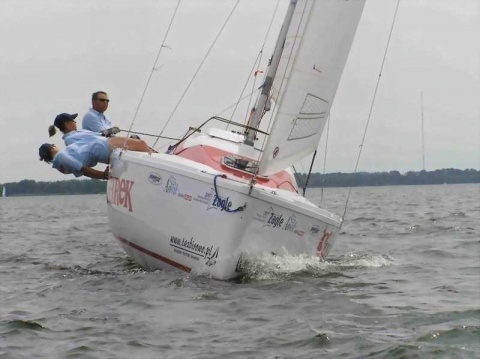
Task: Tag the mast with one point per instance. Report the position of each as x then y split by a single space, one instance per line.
258 109
423 131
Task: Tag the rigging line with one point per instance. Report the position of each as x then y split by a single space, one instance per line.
273 109
197 71
150 134
234 104
309 173
371 105
254 88
223 206
217 115
154 67
267 34
255 64
324 163
325 157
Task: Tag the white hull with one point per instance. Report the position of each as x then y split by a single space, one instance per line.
164 211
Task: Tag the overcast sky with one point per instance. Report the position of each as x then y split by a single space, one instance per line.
55 53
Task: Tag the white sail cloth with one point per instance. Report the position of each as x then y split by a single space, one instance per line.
314 56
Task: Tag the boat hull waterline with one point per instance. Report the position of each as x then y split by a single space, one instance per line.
168 211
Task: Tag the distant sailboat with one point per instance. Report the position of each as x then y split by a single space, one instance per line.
4 191
423 131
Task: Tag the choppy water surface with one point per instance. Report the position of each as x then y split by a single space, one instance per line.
403 281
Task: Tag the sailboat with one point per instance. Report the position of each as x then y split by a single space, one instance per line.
4 191
217 196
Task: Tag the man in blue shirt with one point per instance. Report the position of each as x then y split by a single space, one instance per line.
95 119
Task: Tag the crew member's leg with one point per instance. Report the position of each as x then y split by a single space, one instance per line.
129 143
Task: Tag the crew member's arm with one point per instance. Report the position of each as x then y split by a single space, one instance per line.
109 132
92 173
67 164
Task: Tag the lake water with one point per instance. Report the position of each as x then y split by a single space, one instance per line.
403 281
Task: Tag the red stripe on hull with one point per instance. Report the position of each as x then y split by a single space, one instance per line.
154 255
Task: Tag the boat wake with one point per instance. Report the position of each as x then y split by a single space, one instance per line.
274 267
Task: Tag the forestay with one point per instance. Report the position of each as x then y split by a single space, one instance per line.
314 55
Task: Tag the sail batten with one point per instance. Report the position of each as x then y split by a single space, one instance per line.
315 52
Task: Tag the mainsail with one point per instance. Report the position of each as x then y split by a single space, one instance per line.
315 52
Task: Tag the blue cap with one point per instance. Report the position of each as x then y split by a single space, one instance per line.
45 152
62 118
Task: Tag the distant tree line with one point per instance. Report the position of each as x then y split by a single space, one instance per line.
33 188
392 178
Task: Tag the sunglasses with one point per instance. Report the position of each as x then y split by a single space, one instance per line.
103 99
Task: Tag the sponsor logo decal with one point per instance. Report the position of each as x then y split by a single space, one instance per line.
171 186
186 197
262 216
275 152
291 223
119 192
155 178
223 203
212 257
277 220
314 230
194 250
323 243
205 198
274 220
